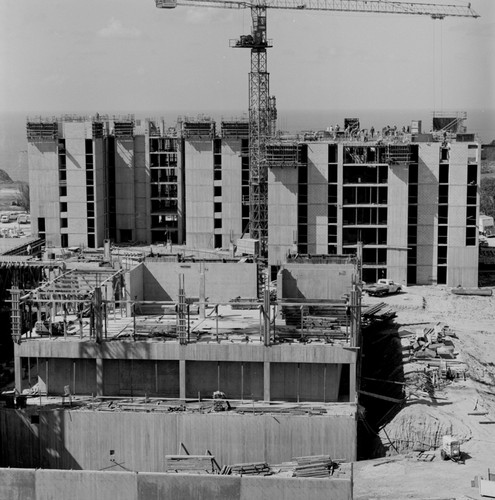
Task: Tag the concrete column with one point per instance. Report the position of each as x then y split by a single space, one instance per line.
182 378
17 370
266 381
352 383
99 376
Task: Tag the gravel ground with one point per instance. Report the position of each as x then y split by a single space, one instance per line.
472 318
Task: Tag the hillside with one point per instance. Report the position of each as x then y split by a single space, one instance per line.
5 177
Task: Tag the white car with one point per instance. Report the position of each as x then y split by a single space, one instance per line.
4 218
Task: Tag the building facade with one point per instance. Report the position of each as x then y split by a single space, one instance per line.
411 201
413 207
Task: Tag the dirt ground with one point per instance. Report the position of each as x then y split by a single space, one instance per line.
472 318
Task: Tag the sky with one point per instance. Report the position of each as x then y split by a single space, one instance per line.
63 56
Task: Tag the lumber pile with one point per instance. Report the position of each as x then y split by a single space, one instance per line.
377 312
190 464
314 466
247 469
334 312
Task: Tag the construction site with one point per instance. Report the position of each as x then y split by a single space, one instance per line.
228 311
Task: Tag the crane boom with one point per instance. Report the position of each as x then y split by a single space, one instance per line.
261 105
368 6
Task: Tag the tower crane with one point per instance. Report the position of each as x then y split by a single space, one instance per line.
261 106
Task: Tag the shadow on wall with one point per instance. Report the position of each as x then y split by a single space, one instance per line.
153 288
32 438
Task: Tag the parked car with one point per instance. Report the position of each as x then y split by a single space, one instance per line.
22 219
4 218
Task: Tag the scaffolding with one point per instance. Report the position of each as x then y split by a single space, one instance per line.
42 130
123 129
449 122
398 154
197 128
283 154
238 129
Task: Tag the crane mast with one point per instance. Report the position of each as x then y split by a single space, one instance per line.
260 125
262 112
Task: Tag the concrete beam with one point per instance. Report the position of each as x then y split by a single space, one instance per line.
18 372
284 353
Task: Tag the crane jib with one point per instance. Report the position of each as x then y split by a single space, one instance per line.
436 11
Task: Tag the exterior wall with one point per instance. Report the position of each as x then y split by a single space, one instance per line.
397 221
44 188
282 213
462 260
316 281
459 266
79 439
199 193
100 191
429 157
75 135
223 281
231 191
42 484
317 198
125 187
142 188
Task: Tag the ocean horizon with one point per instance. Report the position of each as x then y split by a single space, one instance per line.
13 143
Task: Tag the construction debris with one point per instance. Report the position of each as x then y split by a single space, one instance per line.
247 469
314 466
190 464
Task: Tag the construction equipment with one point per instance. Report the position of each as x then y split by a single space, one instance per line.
262 112
451 449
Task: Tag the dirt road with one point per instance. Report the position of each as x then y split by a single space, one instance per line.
472 318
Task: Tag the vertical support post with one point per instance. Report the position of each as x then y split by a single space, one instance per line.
352 382
242 381
156 376
98 314
266 380
202 290
266 316
216 322
99 377
17 369
182 379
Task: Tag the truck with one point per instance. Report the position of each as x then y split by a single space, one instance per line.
451 449
486 226
382 287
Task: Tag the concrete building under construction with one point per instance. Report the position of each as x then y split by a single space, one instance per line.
125 361
410 198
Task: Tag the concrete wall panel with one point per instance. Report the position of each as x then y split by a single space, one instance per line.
85 485
273 488
222 281
188 487
17 484
108 485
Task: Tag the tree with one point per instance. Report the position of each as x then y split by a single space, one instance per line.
23 196
487 196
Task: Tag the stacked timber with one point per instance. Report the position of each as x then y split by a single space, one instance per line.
377 313
247 469
334 311
190 464
314 466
